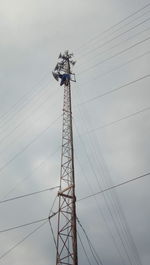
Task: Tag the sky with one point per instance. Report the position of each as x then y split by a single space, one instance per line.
111 108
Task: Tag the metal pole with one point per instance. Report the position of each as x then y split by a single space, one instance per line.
66 231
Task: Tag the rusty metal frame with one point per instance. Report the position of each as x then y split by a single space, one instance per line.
66 233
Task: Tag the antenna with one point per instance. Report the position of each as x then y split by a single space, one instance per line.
55 75
66 253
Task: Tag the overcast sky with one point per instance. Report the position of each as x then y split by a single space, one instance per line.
111 132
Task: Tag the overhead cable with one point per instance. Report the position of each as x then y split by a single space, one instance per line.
24 119
110 210
33 170
117 121
93 251
116 54
21 100
23 239
23 225
123 41
28 145
116 68
85 252
28 194
84 198
105 219
26 224
116 37
116 206
116 24
31 233
113 90
115 186
114 209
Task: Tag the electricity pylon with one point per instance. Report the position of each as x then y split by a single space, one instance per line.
66 244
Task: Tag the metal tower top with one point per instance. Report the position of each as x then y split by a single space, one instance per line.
64 66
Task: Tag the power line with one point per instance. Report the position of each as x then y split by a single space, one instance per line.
89 196
133 20
24 119
118 213
104 218
84 198
85 252
13 117
23 225
123 41
93 251
21 100
116 54
113 90
116 121
118 23
117 68
22 240
26 224
33 170
115 186
110 211
15 128
32 232
28 145
114 211
27 195
116 37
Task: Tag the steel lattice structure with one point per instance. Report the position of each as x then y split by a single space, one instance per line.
66 233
